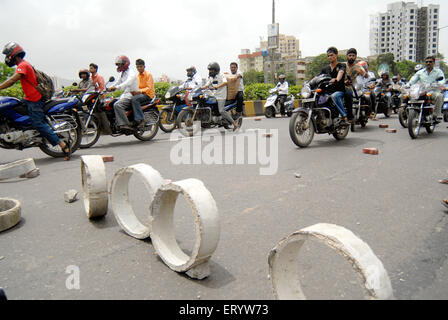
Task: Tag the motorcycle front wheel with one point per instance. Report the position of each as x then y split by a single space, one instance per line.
269 112
300 134
187 126
403 117
341 133
445 116
150 128
91 134
413 126
167 121
55 151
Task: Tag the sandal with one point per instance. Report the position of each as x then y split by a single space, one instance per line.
67 151
445 202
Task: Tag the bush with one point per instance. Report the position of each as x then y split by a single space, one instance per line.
13 91
260 91
161 88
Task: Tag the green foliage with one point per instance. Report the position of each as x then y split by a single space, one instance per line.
319 63
252 76
161 88
294 90
405 68
13 91
5 72
257 91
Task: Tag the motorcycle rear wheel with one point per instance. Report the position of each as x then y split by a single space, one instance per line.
151 127
167 121
269 112
91 134
55 151
413 127
445 116
300 136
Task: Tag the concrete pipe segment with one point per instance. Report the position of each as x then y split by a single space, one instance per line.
94 186
284 258
207 223
16 168
10 213
119 197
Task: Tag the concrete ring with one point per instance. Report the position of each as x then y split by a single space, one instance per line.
119 197
206 218
16 168
283 261
94 186
10 213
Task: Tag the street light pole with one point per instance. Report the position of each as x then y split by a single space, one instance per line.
438 30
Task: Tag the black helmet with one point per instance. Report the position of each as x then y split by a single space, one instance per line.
191 71
85 71
12 50
213 66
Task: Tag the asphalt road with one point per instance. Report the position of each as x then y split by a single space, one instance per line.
392 201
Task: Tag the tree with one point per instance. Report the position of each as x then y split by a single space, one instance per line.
13 91
319 63
387 58
253 76
405 68
5 72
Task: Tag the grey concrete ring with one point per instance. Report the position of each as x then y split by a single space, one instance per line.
16 168
284 258
94 186
10 213
206 218
119 197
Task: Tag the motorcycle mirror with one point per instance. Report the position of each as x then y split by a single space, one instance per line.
111 79
439 79
74 84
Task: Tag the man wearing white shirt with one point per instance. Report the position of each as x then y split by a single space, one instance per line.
129 83
283 91
194 80
240 95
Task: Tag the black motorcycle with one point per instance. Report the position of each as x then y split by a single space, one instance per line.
317 114
361 105
381 102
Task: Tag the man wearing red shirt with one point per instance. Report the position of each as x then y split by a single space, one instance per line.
33 99
98 80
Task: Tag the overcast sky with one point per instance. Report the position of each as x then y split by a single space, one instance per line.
61 36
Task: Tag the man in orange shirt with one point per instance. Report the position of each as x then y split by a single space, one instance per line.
97 80
145 93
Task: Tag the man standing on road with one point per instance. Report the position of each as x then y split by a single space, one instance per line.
429 75
33 99
98 80
144 94
240 95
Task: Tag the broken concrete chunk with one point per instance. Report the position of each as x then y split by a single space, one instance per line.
71 196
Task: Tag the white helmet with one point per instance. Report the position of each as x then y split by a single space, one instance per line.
418 67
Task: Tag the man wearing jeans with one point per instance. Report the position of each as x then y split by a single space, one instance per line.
145 93
33 99
336 71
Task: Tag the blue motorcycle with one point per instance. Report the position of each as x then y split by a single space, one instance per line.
16 131
175 98
204 113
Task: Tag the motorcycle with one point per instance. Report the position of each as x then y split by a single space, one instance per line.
421 111
403 112
317 114
176 102
204 113
361 105
396 97
272 105
98 117
16 131
381 102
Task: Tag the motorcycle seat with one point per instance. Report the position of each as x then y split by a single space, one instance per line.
53 103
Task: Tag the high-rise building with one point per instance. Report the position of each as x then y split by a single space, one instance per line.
406 30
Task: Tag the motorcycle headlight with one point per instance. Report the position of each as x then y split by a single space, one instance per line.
415 93
305 92
358 87
167 95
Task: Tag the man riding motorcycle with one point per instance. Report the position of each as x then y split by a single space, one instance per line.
352 71
429 76
218 82
368 81
283 91
386 86
86 84
194 80
33 98
127 82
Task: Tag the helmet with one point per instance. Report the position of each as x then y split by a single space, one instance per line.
84 71
363 64
191 71
418 67
213 66
122 62
385 73
282 76
11 51
394 78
